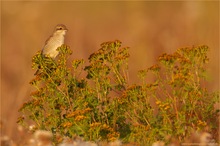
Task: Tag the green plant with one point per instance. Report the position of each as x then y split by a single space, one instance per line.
103 106
182 105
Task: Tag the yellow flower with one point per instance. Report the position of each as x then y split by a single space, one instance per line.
96 124
158 102
202 123
167 107
79 118
113 136
67 124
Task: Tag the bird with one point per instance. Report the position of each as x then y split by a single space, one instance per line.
54 41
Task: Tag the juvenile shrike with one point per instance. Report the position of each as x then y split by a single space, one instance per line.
54 41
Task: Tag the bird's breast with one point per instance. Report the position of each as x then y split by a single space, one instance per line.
52 44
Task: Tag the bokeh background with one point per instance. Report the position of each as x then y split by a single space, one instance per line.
148 28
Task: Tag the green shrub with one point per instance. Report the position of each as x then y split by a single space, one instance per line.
103 106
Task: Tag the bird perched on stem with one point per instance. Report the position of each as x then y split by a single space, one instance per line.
53 42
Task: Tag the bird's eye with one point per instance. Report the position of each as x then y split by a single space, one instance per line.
59 28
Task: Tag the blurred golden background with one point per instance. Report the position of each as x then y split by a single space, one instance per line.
148 28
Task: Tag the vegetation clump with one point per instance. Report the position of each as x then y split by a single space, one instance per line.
103 106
